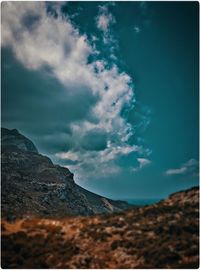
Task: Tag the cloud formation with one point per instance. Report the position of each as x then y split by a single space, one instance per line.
40 40
142 162
43 39
103 21
191 167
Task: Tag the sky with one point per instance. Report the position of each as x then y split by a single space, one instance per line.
107 89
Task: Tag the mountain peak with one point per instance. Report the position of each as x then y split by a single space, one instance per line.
12 138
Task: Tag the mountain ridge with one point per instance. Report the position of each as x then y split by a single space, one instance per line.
33 185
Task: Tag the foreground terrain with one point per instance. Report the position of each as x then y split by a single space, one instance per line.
164 235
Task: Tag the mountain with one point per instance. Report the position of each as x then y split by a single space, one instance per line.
163 235
12 137
32 185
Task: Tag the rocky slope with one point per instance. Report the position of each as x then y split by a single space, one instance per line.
32 185
163 235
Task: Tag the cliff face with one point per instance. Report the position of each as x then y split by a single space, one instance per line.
163 235
32 185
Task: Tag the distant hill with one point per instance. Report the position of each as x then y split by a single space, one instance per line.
163 235
32 185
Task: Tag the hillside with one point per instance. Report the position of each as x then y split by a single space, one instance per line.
33 186
163 235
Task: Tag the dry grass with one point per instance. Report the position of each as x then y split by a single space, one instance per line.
159 236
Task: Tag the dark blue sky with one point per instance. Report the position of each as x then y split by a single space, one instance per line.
109 90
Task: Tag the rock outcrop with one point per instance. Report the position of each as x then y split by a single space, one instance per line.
163 235
33 186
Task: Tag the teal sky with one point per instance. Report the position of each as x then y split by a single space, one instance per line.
108 89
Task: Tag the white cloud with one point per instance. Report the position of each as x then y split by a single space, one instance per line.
38 40
176 171
41 40
191 167
103 21
143 162
68 155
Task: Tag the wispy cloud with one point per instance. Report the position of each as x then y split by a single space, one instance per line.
191 167
143 162
103 21
137 29
176 171
143 7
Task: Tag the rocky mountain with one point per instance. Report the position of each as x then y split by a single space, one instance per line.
33 186
163 235
14 138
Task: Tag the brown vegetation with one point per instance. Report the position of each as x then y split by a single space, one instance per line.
164 235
